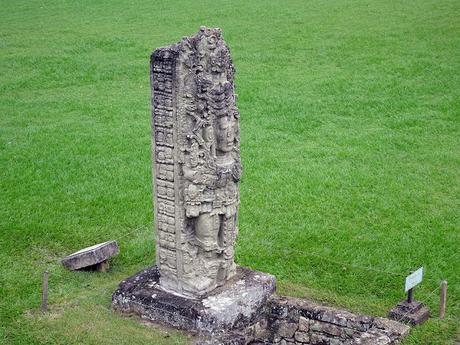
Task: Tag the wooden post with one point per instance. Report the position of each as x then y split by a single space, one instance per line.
44 306
443 298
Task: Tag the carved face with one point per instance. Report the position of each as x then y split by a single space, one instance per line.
225 133
212 42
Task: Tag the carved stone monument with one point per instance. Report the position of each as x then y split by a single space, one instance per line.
196 163
196 167
195 284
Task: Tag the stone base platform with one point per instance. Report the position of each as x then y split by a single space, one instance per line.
246 312
414 313
233 306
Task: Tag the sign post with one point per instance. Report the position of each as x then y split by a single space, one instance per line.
409 310
412 280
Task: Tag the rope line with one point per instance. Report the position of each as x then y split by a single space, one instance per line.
428 298
354 266
135 230
285 251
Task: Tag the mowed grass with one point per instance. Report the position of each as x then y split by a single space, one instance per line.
350 144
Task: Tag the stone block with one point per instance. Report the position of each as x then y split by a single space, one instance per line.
317 339
302 337
91 256
338 342
324 327
287 329
235 305
260 330
368 338
395 330
304 324
414 313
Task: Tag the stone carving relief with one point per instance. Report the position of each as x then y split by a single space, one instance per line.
196 162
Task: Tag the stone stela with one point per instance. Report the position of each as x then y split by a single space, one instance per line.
196 163
195 284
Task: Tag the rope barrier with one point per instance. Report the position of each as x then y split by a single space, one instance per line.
135 230
408 312
340 263
285 251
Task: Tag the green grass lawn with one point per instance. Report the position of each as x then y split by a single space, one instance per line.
350 142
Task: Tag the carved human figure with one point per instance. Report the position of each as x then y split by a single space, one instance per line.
213 187
214 180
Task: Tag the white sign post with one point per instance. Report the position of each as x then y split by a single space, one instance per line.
412 280
411 311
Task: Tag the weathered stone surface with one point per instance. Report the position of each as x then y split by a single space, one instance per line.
235 305
304 324
317 339
260 330
339 342
302 337
91 256
368 338
322 325
196 163
287 329
325 327
414 313
395 330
